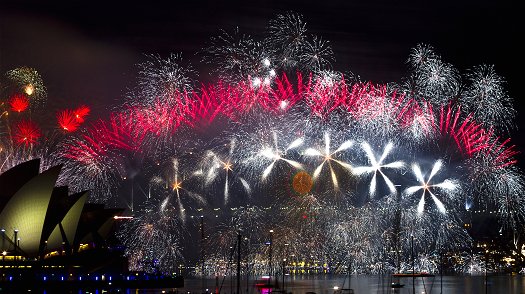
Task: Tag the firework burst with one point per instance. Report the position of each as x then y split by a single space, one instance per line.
153 238
486 99
172 181
271 122
376 167
161 79
213 167
28 80
329 157
428 187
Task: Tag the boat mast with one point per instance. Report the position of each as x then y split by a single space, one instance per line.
413 264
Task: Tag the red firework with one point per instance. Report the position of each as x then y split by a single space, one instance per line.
203 108
27 133
80 113
67 120
98 142
70 120
19 103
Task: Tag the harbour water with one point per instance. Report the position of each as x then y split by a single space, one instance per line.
367 284
327 284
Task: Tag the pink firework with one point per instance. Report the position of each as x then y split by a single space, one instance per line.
364 102
119 133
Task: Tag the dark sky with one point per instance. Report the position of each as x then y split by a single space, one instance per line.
87 50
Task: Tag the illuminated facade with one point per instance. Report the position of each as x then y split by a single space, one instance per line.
37 218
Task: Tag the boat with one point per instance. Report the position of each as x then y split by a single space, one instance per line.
397 285
409 275
344 291
412 273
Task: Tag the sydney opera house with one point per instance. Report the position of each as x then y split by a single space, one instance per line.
45 225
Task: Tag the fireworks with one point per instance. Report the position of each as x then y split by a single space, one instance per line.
29 81
154 239
238 56
161 79
173 181
70 120
486 99
272 146
24 130
427 186
328 158
19 103
275 155
285 46
67 121
377 165
337 168
213 167
432 79
27 133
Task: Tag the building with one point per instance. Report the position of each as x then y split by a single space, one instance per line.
53 240
39 221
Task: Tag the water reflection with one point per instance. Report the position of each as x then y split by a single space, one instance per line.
379 284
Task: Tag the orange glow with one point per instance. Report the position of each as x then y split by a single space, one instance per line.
176 185
302 182
228 166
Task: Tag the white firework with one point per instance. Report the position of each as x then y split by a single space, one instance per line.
172 181
317 55
287 34
275 155
376 167
153 237
487 100
162 78
238 56
428 187
328 158
432 79
212 166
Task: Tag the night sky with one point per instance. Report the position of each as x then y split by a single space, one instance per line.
87 51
